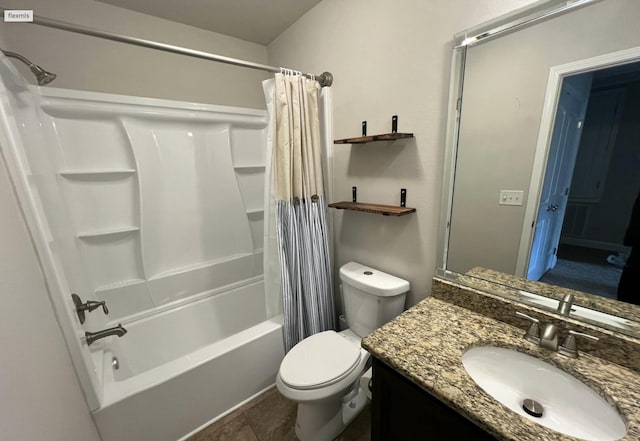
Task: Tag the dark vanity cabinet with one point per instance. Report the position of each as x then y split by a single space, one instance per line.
402 411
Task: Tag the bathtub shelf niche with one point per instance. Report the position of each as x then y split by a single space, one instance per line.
249 167
107 232
102 173
117 285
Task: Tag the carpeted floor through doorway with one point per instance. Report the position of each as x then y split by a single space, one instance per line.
584 269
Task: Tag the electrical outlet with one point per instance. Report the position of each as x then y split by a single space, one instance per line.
511 197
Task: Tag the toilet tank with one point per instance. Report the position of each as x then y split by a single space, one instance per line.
371 297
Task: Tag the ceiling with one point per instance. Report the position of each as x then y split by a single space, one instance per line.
259 21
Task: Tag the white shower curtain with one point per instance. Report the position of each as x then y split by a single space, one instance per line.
295 221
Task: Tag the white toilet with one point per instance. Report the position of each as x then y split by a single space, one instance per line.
322 372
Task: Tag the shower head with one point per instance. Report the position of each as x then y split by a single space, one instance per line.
42 76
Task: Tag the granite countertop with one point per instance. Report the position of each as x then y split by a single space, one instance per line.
426 343
509 284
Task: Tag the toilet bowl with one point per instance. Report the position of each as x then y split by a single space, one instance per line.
322 372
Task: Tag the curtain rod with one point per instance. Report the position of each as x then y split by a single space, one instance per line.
325 79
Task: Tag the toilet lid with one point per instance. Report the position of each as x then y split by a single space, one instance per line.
321 359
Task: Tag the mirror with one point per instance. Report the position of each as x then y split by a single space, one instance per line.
543 151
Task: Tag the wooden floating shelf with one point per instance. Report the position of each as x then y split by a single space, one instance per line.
374 138
385 210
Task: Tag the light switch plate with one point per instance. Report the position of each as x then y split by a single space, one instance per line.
511 197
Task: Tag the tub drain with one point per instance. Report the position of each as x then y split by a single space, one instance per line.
532 407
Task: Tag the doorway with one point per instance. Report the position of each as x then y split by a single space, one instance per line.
578 235
563 150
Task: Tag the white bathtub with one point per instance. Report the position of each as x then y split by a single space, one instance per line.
187 367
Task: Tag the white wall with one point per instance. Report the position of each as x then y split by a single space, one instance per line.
89 63
388 58
40 397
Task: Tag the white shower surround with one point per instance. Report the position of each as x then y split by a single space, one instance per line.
155 206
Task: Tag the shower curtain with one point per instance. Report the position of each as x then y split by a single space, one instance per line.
296 220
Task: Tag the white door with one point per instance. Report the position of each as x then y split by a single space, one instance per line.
563 150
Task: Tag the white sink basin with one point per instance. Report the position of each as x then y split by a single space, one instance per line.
568 405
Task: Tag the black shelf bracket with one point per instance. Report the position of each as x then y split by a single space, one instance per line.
364 128
403 197
354 194
394 124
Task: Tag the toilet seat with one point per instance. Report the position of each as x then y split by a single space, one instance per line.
319 360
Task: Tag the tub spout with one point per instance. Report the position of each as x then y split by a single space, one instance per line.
116 330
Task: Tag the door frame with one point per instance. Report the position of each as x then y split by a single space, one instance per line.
552 96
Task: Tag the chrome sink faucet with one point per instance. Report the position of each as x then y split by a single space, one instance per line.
116 330
564 306
549 337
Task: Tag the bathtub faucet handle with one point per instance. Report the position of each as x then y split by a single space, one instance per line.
92 304
104 307
87 306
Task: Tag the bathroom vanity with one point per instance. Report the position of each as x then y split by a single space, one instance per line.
421 386
401 409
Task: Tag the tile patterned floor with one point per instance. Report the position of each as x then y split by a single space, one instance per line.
271 417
